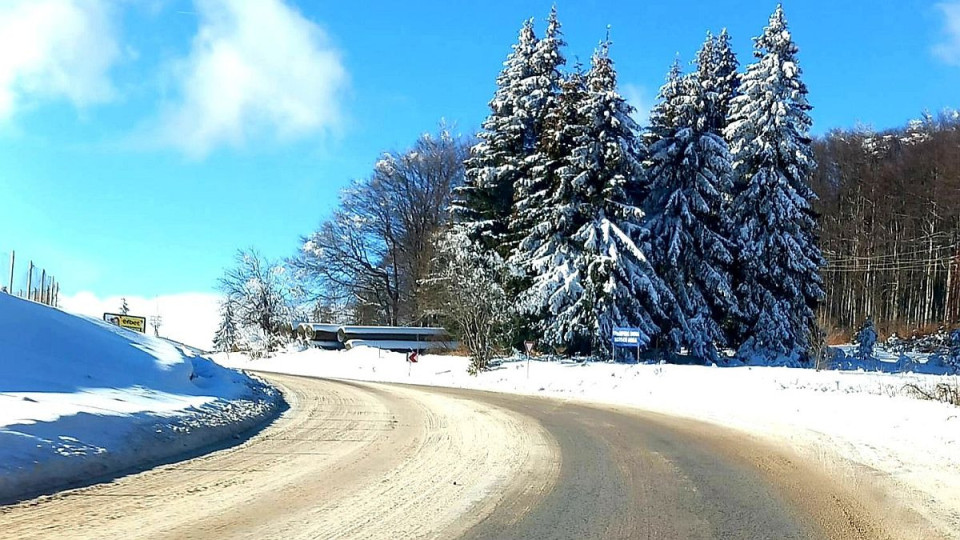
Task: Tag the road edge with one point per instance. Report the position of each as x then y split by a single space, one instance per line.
173 440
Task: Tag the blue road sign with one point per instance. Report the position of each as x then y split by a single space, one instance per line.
625 337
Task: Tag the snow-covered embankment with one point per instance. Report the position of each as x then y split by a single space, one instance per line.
81 400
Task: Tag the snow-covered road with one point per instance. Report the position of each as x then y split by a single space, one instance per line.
366 460
346 461
852 424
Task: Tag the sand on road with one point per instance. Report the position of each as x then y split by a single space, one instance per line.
345 461
368 460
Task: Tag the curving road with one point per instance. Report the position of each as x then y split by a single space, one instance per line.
358 460
628 473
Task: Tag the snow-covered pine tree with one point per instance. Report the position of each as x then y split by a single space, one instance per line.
689 176
124 308
227 336
717 74
724 79
662 119
484 202
588 272
705 62
562 128
778 270
537 180
866 340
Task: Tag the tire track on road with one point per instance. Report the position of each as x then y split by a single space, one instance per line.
346 461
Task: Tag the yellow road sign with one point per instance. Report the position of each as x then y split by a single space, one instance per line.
130 322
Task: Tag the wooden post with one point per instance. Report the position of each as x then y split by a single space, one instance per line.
29 280
13 258
43 283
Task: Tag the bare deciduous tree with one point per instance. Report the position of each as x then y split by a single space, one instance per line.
469 291
890 225
378 246
258 296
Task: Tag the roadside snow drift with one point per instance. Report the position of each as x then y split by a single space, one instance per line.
81 400
851 422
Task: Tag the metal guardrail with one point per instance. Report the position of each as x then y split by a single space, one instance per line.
29 281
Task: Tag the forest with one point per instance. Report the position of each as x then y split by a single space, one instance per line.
890 224
722 230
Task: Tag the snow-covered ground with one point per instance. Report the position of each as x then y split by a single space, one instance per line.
81 399
853 422
888 361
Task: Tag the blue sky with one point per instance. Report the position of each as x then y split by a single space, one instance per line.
142 142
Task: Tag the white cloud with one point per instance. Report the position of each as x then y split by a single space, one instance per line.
255 69
948 50
55 49
190 318
636 96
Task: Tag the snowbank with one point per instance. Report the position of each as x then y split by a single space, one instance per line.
81 400
843 419
887 361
